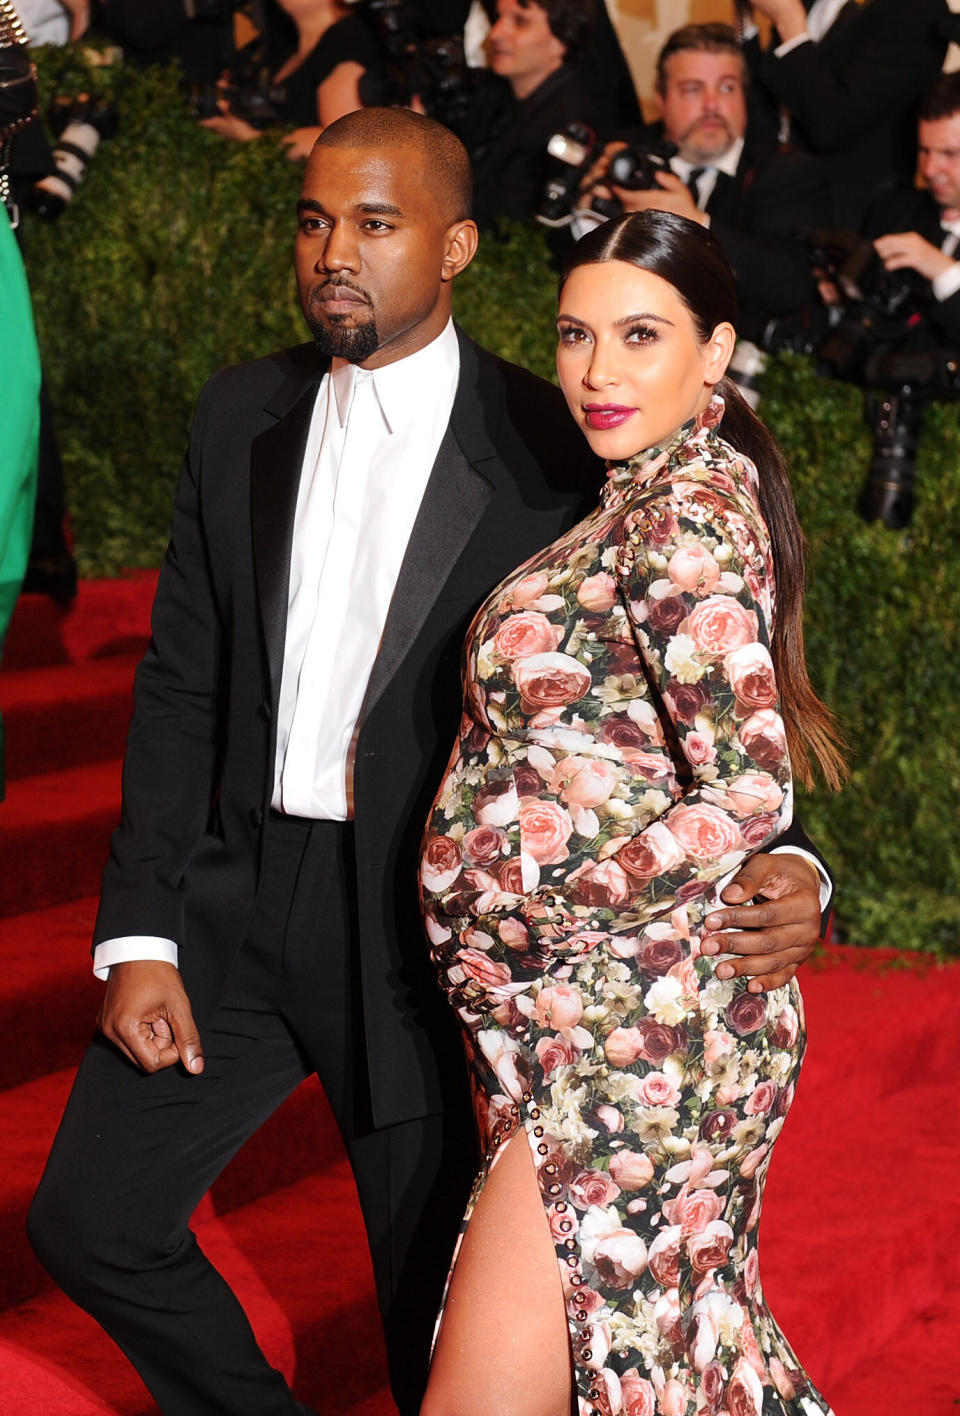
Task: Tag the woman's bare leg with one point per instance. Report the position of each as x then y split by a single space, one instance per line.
503 1345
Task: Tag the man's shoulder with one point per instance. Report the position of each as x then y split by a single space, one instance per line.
903 209
260 378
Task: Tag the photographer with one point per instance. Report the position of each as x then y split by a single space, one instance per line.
536 89
314 54
723 174
919 230
850 76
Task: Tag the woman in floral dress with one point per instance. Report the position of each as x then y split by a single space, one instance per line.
631 694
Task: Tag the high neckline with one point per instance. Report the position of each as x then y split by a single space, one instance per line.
641 469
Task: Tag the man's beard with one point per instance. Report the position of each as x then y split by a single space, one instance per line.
706 153
339 340
338 336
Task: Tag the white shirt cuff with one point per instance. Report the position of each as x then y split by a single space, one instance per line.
826 888
789 44
131 949
585 219
947 283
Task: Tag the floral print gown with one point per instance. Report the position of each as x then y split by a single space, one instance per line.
621 752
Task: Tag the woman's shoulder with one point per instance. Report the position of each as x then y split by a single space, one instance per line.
348 40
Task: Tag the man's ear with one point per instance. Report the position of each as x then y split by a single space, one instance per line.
719 351
462 239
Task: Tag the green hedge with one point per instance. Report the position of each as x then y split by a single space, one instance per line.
175 258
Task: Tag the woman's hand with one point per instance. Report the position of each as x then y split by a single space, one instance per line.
228 125
299 143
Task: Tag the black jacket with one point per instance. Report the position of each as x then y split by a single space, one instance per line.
913 210
853 97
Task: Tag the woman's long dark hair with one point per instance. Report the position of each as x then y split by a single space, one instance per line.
685 255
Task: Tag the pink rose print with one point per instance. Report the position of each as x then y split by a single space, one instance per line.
694 569
666 616
479 966
623 1046
709 1249
439 863
559 1007
528 589
601 885
656 851
761 1099
593 1187
555 1052
749 672
746 1013
754 792
744 1392
663 1257
583 781
497 803
620 1258
655 1089
524 634
758 830
704 831
598 592
719 625
658 956
638 1396
550 680
694 1211
631 1170
764 739
483 845
545 830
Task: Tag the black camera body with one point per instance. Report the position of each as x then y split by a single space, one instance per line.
870 338
256 100
432 68
79 124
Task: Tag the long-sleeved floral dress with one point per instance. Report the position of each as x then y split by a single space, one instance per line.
620 753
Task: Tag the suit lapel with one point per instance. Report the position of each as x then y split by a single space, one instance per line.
276 457
456 496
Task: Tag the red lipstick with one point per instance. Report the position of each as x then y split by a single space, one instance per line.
601 416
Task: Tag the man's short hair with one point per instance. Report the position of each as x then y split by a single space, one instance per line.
570 21
444 155
943 100
705 39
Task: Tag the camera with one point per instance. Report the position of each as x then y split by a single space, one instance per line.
432 68
570 153
79 125
868 336
259 103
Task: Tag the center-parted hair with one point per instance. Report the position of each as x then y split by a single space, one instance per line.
444 156
684 254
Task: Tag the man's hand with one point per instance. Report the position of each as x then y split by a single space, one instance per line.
789 16
907 250
146 1013
670 194
772 938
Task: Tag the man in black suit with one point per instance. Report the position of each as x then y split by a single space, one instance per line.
850 76
343 508
727 175
917 230
536 88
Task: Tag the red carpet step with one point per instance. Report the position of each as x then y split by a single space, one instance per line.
66 715
107 617
54 835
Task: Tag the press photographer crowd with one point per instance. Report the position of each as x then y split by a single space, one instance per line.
819 140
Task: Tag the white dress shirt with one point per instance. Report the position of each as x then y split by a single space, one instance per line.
820 17
947 283
373 439
728 162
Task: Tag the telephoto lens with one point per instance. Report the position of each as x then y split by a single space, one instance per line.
82 123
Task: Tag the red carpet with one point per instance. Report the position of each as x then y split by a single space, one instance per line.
862 1221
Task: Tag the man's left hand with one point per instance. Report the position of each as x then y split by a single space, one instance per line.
773 938
907 250
669 195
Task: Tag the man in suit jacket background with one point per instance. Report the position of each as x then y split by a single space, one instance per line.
343 508
917 230
728 175
850 73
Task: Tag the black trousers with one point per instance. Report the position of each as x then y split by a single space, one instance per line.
135 1153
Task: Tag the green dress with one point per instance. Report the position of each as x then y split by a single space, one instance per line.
19 429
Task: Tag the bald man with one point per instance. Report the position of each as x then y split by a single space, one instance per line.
343 508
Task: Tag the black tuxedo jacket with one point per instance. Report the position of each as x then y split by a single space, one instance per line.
853 97
911 210
510 475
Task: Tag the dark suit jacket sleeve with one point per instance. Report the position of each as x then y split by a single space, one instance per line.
760 241
169 766
897 59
